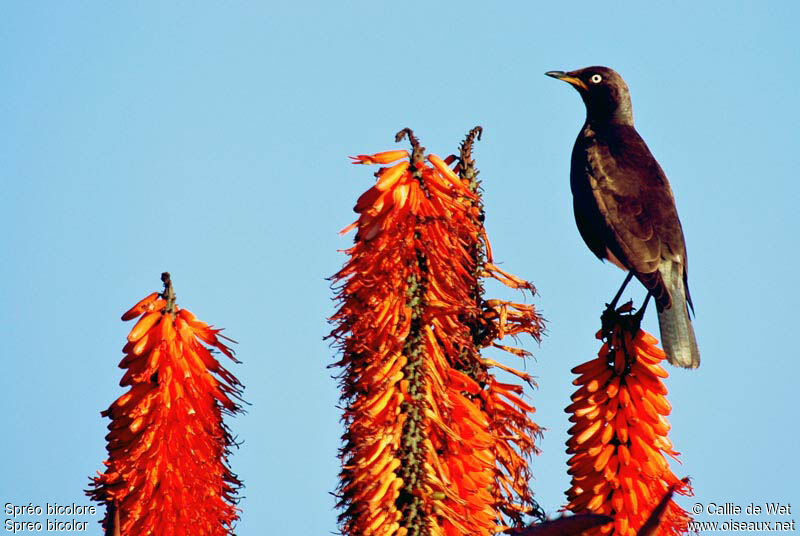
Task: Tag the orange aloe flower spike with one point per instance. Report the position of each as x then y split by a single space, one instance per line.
619 438
433 444
167 471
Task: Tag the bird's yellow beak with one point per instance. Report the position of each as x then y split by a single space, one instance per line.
566 77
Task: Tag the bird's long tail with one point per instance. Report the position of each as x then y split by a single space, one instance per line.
677 334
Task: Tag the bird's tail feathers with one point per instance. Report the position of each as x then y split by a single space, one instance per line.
677 334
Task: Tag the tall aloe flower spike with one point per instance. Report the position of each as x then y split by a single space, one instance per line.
509 415
619 438
432 442
167 471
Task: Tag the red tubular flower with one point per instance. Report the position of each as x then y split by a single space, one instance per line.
428 428
619 437
167 472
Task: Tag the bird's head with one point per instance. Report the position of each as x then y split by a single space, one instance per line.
603 91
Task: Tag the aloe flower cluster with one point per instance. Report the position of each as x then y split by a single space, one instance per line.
434 443
166 472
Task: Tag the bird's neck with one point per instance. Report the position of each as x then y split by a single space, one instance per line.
615 113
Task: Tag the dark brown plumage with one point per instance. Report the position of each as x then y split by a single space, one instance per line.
624 205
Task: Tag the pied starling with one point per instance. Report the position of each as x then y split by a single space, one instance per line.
624 206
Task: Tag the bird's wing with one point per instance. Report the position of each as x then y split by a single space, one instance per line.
636 202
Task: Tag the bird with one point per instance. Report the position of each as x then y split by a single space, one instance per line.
624 207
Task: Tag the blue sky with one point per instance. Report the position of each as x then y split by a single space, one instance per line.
211 141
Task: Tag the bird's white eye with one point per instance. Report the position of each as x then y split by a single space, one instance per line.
596 79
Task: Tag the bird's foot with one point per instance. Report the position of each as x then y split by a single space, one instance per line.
611 316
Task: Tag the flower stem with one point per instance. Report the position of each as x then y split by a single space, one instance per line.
168 294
